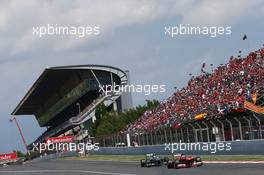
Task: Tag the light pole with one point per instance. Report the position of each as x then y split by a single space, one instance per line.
20 132
79 106
212 68
239 54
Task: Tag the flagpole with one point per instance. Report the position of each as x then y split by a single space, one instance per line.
245 37
248 45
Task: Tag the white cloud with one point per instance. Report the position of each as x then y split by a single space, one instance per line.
17 18
24 16
2 20
223 12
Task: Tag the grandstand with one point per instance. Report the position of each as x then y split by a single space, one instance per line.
63 99
223 105
226 104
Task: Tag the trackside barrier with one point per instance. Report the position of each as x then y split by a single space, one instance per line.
55 156
255 147
237 148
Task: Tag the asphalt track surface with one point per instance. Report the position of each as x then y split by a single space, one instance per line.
74 167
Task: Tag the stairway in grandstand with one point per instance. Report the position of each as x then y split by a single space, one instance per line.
89 111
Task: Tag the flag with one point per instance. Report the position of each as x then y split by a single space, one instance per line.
254 97
202 69
254 108
244 37
200 116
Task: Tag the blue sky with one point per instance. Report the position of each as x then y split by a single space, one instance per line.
132 38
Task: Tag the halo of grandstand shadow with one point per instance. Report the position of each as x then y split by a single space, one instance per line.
126 168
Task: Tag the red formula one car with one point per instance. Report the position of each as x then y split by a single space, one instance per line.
182 161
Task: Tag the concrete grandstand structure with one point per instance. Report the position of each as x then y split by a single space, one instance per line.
64 99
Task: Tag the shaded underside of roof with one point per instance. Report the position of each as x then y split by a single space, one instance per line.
52 79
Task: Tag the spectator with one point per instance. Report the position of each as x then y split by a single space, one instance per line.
216 94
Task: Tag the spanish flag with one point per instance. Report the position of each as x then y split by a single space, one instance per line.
253 107
200 116
254 97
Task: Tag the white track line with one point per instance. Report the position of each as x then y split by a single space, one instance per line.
65 171
231 162
236 162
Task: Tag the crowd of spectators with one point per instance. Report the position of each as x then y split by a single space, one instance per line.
215 94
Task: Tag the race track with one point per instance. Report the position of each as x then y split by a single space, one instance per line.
60 167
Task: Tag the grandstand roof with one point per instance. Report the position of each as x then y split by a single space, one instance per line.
51 79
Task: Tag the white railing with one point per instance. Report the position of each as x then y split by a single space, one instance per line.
88 109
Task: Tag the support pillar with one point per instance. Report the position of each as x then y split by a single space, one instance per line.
240 128
207 129
165 135
201 133
195 133
231 129
250 127
223 129
259 123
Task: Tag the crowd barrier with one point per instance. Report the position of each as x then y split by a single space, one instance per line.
255 147
55 156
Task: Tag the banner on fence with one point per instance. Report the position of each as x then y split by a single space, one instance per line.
253 107
8 156
65 139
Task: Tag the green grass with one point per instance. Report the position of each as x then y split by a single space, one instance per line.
138 157
234 158
108 157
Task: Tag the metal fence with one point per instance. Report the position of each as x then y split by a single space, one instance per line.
230 128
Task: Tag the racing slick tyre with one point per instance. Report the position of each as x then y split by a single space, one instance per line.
169 165
175 165
164 161
198 161
189 164
142 163
159 163
148 164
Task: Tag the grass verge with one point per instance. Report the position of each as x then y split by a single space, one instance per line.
138 157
